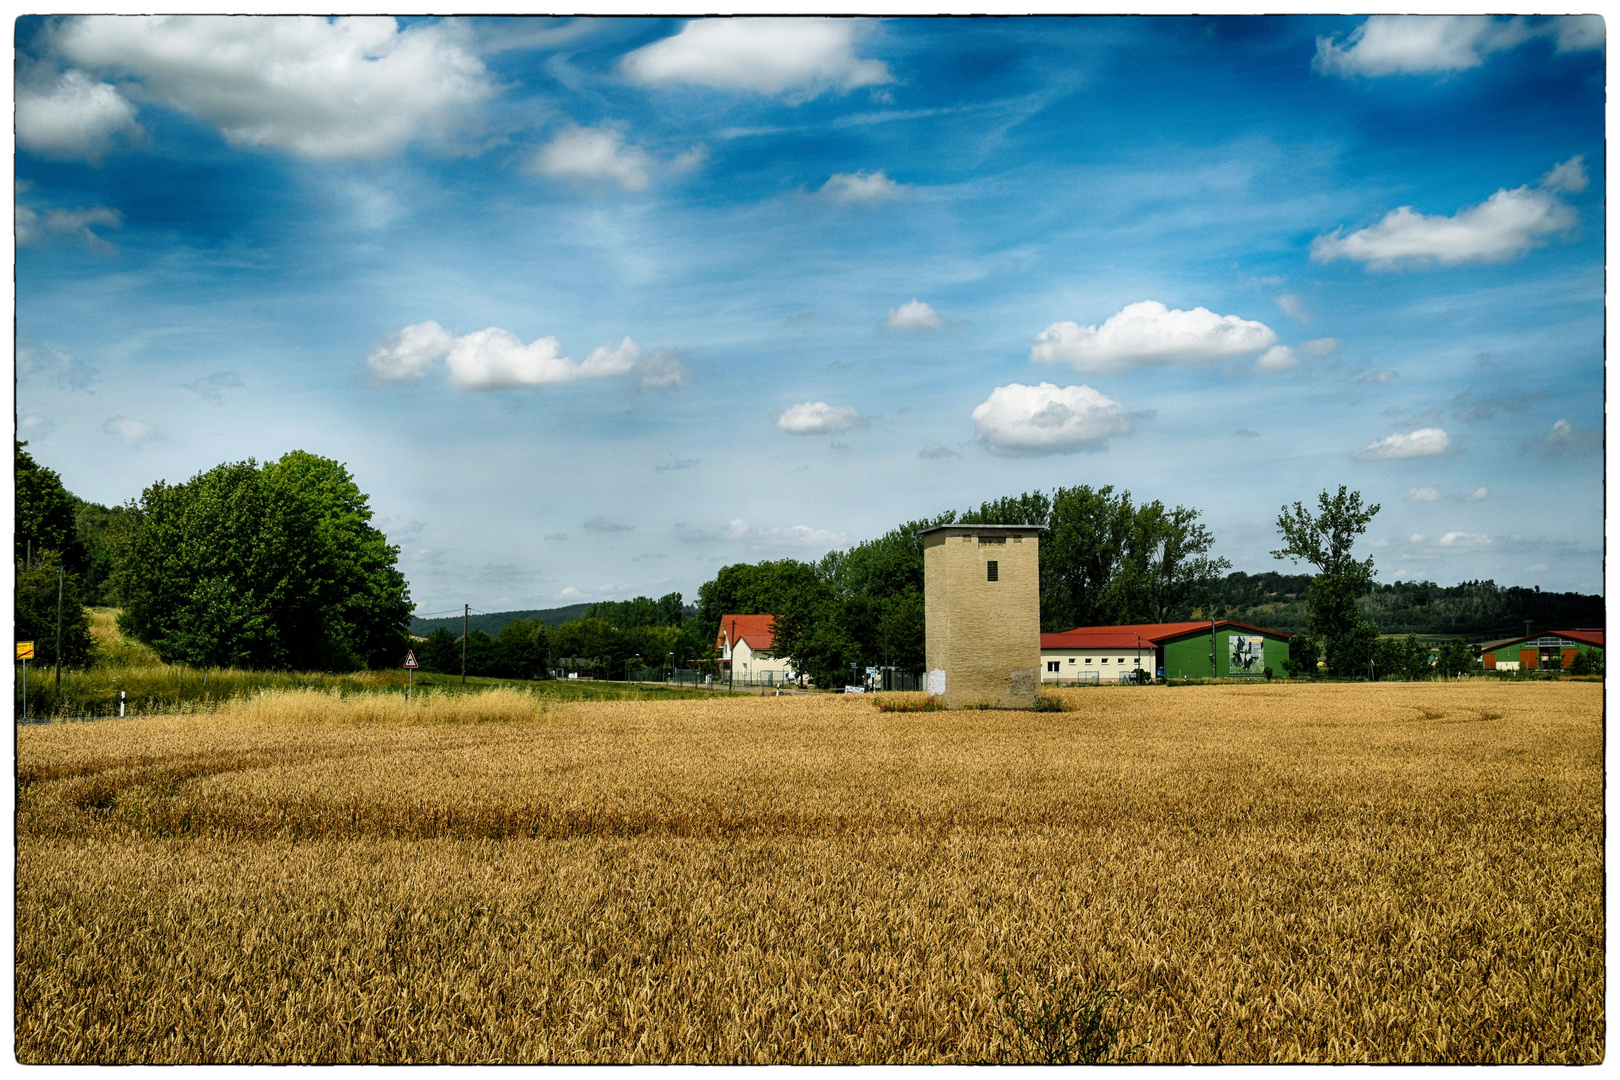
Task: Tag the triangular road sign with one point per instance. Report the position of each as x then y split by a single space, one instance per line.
410 658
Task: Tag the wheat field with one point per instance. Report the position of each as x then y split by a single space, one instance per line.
1279 873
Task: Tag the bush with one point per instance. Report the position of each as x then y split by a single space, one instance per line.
1068 1025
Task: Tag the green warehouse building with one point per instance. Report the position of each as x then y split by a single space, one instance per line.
1548 649
1179 650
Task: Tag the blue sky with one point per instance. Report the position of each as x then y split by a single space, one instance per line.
594 307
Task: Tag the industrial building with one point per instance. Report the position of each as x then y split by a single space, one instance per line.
1179 650
982 610
1550 649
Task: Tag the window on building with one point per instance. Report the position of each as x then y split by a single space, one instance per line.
1071 659
1053 665
1122 659
1088 661
1105 659
992 568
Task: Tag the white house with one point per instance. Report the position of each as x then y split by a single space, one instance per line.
744 642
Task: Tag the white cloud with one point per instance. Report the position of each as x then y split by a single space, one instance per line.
689 160
1434 494
73 117
33 228
1564 438
861 187
1503 227
800 58
916 317
213 386
937 450
1425 442
1410 44
1323 346
1568 176
568 592
1377 378
1417 538
1479 493
36 362
1277 358
814 417
664 369
409 352
1293 307
1019 420
1463 539
1418 44
738 531
329 90
1147 333
594 155
35 426
132 429
1424 494
495 359
603 525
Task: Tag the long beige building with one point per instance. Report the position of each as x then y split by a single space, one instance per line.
982 610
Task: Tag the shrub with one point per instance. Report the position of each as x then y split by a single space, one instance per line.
1068 1025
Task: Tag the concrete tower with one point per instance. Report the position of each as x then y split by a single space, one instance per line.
982 608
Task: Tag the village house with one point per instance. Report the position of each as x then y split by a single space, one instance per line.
744 642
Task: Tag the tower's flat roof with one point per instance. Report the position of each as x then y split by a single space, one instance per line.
980 528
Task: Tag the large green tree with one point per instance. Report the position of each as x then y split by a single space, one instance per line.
42 593
272 566
44 514
1325 539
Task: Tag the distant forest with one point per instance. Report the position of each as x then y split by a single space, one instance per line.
1479 610
625 614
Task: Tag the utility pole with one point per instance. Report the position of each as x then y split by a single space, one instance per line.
466 610
59 627
731 645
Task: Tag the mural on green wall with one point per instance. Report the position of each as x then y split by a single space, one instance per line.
1247 654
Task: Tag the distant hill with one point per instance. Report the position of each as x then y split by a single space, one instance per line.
491 624
1478 610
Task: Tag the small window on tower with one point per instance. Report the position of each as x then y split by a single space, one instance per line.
992 567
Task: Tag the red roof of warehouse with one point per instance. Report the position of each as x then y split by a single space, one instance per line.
1121 637
755 630
1589 637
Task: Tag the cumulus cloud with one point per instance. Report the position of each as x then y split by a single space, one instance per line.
603 525
594 156
861 187
72 117
1293 307
1434 494
1422 44
915 317
132 429
797 58
408 353
1277 358
1324 346
1377 378
213 386
1147 333
1019 420
934 451
64 370
1479 493
1463 539
1424 442
34 228
328 90
1501 228
815 417
1564 438
1424 494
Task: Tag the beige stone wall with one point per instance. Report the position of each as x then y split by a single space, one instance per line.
985 636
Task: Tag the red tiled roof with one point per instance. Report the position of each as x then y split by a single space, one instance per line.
1117 637
753 629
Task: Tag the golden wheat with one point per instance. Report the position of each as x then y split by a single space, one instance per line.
1278 873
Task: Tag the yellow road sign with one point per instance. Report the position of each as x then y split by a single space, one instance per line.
25 650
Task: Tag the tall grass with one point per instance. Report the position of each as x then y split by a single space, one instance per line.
1392 873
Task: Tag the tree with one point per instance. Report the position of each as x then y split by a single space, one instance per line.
1401 658
522 650
44 514
36 610
263 567
1174 549
1456 658
1325 540
441 652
